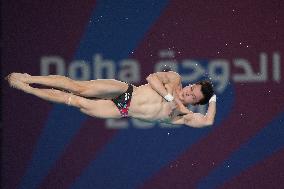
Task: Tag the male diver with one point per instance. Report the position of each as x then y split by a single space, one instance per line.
161 99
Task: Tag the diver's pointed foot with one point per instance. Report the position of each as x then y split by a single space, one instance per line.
24 77
15 80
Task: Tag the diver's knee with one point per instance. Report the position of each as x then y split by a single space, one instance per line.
84 91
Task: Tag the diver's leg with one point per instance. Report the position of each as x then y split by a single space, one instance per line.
52 95
100 88
96 108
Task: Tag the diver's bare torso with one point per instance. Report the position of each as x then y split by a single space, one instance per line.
147 104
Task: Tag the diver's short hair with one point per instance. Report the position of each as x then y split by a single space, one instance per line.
207 91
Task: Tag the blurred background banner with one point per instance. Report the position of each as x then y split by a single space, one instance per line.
238 45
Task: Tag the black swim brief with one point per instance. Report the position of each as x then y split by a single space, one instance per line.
123 101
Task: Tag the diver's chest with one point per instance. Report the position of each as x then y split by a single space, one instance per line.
167 110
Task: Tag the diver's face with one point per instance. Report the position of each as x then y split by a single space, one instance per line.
191 94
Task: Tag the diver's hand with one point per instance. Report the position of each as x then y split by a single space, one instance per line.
182 110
